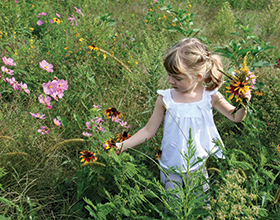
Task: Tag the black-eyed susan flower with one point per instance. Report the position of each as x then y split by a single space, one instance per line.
231 89
122 137
87 156
241 82
241 87
56 20
158 154
112 112
93 47
109 144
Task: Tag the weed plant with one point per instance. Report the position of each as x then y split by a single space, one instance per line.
109 53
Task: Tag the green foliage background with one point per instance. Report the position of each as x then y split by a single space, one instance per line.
43 176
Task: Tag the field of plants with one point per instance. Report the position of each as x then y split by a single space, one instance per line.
78 76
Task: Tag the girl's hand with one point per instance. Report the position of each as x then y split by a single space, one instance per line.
120 147
247 95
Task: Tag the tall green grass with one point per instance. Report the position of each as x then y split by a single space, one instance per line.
43 177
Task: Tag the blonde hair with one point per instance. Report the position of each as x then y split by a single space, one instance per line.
190 57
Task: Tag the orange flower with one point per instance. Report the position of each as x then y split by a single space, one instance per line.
112 112
259 93
87 156
123 137
158 154
109 144
278 148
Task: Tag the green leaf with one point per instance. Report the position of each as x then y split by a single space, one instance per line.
204 39
77 118
111 23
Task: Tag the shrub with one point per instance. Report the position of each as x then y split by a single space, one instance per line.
224 22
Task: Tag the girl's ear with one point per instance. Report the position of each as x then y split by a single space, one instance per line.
199 77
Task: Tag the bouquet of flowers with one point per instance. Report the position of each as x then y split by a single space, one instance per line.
241 82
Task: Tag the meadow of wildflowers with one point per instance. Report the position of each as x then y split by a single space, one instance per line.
78 76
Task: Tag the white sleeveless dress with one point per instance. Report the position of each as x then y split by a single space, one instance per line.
196 115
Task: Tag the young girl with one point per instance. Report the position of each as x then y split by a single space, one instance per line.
195 79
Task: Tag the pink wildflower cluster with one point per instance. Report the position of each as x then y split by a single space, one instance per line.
97 122
118 120
53 88
15 85
252 78
79 11
72 19
40 22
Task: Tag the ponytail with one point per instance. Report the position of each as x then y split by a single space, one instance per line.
213 77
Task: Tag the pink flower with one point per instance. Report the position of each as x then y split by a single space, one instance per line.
44 100
79 11
49 88
87 134
61 86
6 70
46 66
43 13
40 22
13 83
88 125
56 122
101 129
115 119
8 61
44 130
58 15
123 124
51 21
96 106
24 87
49 107
16 1
71 19
37 115
38 17
98 120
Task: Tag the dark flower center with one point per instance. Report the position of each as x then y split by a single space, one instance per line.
125 134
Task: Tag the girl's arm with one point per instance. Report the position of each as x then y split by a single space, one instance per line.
219 102
149 130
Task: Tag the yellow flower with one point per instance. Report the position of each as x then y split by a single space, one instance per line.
151 9
81 40
31 29
104 55
244 68
189 5
241 87
278 148
56 20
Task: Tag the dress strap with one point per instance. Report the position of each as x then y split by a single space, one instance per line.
166 96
